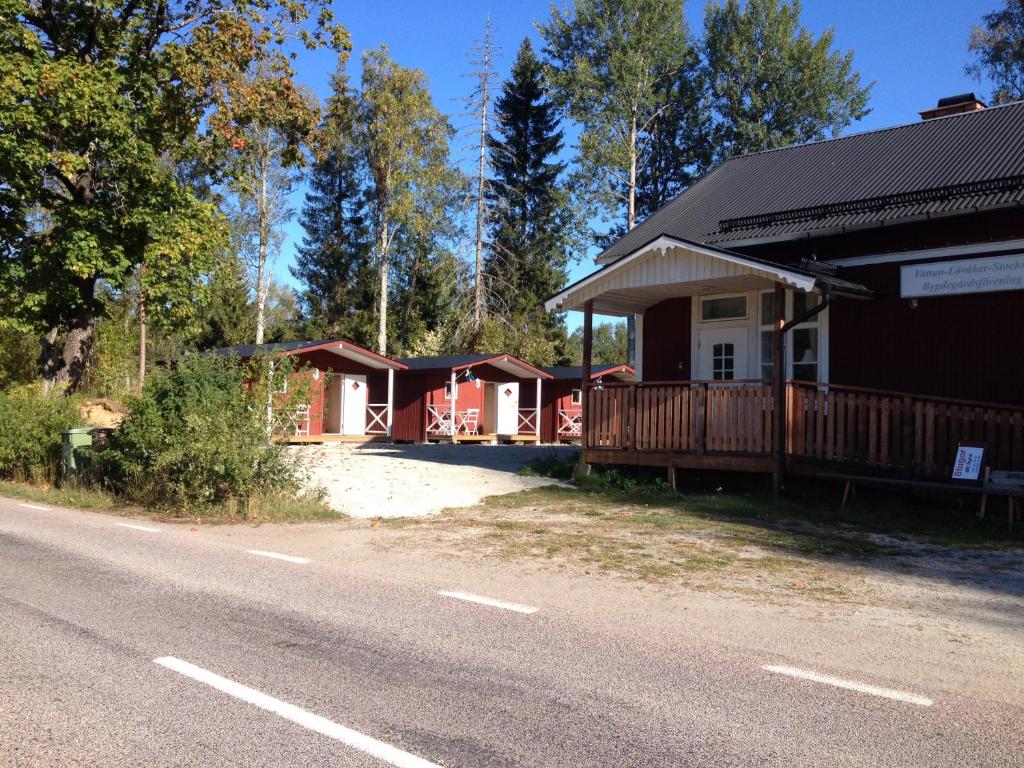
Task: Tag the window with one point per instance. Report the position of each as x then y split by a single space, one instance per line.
801 342
576 398
723 308
767 334
723 362
805 353
447 390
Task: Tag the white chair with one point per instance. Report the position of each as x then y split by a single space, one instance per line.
471 421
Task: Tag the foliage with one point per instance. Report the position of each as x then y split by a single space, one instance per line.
229 318
998 50
198 434
30 425
771 82
404 141
612 64
333 261
609 345
114 368
99 100
19 352
529 238
428 291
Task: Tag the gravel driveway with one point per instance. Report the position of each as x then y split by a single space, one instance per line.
377 480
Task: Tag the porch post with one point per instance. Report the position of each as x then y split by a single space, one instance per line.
779 375
588 345
451 427
391 400
537 412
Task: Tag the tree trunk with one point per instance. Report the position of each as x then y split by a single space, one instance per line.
478 297
76 351
631 191
49 362
263 211
142 341
382 296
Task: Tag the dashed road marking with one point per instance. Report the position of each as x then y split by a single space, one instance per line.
279 556
518 608
851 685
135 527
35 506
382 751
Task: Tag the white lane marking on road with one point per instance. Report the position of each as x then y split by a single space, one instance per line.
134 527
850 685
488 601
279 556
389 754
35 506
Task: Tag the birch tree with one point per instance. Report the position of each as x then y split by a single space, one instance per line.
404 141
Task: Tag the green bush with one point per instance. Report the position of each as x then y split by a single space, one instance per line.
197 435
30 425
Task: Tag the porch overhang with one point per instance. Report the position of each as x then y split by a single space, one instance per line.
669 267
508 364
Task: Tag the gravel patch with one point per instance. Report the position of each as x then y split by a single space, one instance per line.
378 480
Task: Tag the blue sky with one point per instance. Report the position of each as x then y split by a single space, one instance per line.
914 50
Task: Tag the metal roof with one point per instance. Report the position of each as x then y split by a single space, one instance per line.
570 372
443 361
508 363
336 346
932 168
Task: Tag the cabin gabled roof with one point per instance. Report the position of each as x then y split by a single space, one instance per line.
575 372
507 363
339 347
940 167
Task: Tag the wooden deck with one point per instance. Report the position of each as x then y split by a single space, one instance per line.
299 439
485 438
729 425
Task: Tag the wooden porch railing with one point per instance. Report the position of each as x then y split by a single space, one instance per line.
889 432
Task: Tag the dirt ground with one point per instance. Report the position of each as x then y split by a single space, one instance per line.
378 480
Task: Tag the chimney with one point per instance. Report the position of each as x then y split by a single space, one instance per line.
953 105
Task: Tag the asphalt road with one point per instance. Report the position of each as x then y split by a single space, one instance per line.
268 662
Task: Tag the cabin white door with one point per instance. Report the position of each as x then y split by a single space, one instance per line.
722 354
353 397
507 409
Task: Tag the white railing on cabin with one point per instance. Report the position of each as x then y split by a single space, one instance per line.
527 421
439 420
570 422
377 419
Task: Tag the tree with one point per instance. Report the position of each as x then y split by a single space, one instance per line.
480 103
429 292
611 65
333 263
771 83
530 230
229 317
609 345
403 140
998 51
99 101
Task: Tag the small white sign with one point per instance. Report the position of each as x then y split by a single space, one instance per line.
946 278
968 462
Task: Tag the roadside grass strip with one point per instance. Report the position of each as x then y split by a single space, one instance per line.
518 608
279 556
135 527
378 749
850 685
35 506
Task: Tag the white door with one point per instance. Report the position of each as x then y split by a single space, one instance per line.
723 354
353 394
508 409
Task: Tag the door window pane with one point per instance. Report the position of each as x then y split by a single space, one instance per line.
728 308
767 353
723 362
805 354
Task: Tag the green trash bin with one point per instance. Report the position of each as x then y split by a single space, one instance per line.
76 451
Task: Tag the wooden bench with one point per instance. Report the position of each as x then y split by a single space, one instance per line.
1008 484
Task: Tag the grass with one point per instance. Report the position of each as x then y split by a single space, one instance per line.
264 509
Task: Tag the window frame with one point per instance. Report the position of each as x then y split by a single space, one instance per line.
576 396
717 297
818 323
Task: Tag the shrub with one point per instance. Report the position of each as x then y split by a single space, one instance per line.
198 435
30 425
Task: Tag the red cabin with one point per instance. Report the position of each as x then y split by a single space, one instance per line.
351 394
496 397
562 402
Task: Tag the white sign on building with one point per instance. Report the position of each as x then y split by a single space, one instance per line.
946 278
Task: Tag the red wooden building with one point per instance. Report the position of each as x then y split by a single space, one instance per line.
562 398
351 391
848 305
496 397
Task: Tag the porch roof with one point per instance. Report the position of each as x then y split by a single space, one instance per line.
454 363
575 372
339 347
670 267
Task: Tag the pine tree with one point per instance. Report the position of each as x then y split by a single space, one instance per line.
229 317
528 248
333 263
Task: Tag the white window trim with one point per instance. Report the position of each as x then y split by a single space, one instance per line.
447 390
715 296
576 397
820 321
